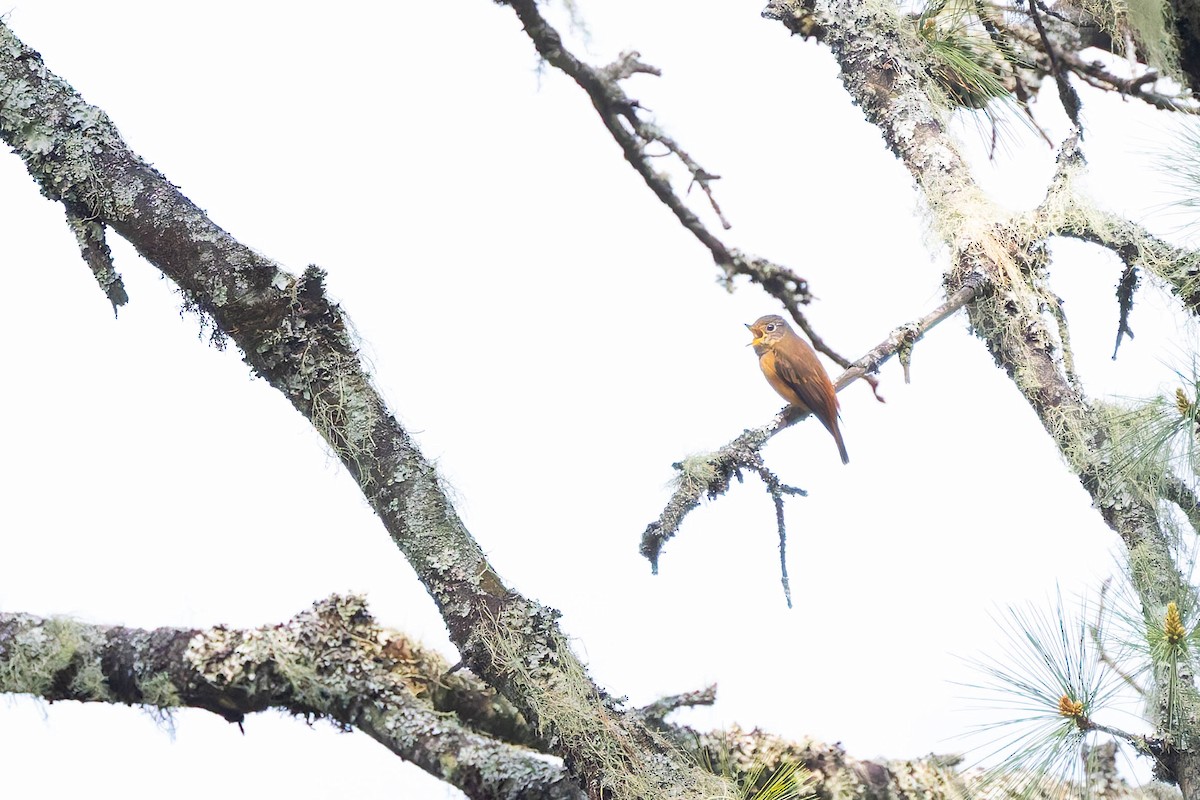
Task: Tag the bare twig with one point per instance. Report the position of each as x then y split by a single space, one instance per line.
657 711
1094 73
777 489
1066 92
620 116
972 288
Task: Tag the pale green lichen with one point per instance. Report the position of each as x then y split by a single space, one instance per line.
1150 23
695 474
89 682
40 653
32 661
566 706
1069 211
159 691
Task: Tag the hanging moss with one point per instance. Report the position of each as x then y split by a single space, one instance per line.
1151 25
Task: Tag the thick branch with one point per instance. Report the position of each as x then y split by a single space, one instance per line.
835 774
297 340
881 74
332 661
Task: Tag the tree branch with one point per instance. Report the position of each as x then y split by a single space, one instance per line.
836 774
657 712
620 116
710 474
332 661
294 337
887 82
93 246
1179 267
1092 72
1066 92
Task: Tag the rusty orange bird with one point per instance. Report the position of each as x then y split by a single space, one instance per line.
793 370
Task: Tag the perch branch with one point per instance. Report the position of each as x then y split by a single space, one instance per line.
710 474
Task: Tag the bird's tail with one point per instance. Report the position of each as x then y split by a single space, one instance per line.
837 437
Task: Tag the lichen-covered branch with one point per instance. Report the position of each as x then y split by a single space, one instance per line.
657 712
1091 72
835 774
299 341
884 75
331 661
93 246
334 662
711 474
1065 212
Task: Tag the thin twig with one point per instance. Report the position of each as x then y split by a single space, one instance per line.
657 711
1066 92
777 489
1101 652
1096 75
1004 45
619 112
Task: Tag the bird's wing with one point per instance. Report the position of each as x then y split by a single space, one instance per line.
807 383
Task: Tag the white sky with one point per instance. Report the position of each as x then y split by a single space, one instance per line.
555 340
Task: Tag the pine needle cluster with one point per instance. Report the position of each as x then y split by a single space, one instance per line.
1048 684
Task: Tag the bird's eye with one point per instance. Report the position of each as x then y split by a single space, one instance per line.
770 326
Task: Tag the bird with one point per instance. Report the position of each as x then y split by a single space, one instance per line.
792 369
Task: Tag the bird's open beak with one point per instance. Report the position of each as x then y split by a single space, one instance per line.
757 336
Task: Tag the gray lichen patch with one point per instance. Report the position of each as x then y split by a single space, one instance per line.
52 129
327 661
